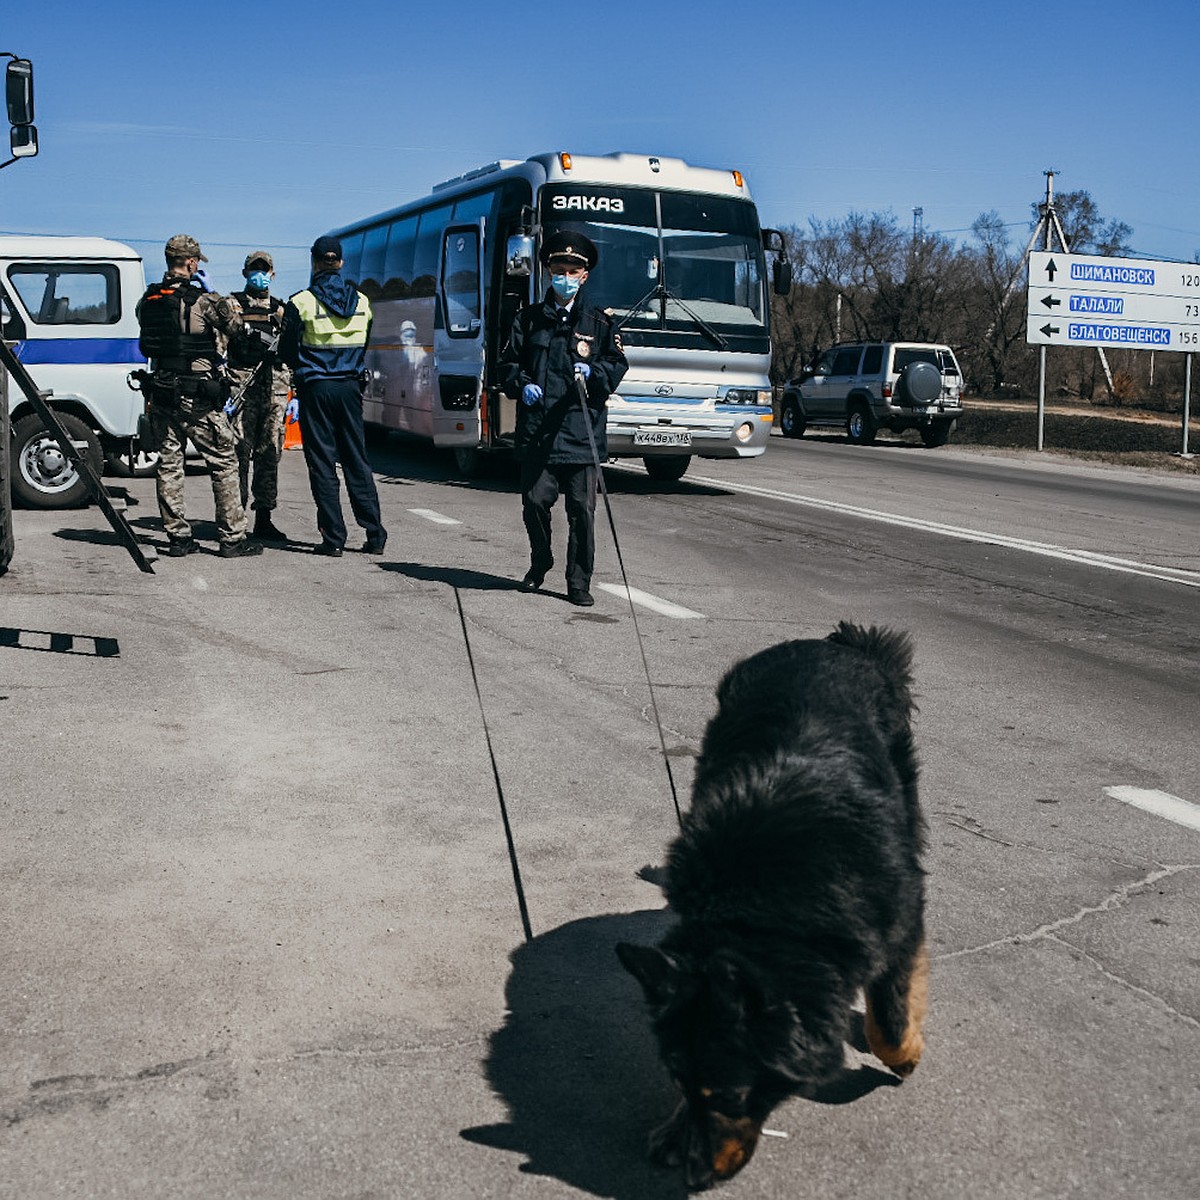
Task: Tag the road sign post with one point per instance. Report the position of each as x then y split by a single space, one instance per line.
1126 303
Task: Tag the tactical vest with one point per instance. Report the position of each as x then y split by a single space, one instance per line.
173 334
267 319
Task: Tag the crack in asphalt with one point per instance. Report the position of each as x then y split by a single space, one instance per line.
1115 900
1128 984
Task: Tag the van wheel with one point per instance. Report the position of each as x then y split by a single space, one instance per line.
468 462
860 426
375 435
791 420
936 433
668 468
42 476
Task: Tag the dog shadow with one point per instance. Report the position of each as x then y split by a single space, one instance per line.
577 1065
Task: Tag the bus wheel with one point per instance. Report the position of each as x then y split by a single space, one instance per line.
468 461
42 476
667 468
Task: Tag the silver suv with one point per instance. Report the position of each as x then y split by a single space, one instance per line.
868 386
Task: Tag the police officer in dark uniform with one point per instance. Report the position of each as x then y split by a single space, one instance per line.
552 344
179 322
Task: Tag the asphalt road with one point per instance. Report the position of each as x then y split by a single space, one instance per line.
260 935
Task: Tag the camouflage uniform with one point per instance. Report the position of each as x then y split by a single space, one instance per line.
258 425
185 401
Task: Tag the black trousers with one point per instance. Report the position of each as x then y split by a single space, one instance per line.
331 427
540 487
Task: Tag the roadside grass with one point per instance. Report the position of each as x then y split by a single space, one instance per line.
1132 437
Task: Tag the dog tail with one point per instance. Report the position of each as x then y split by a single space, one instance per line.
890 648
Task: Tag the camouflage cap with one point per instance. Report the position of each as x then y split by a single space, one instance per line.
258 256
183 245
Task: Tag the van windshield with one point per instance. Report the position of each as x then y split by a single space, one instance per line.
676 268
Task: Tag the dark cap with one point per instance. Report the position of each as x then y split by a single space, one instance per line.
327 247
258 256
183 245
568 246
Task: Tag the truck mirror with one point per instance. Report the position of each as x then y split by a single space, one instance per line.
783 277
23 141
518 256
18 86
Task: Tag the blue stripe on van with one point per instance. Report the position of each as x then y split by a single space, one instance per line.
79 350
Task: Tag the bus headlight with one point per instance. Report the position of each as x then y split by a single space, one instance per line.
744 432
748 396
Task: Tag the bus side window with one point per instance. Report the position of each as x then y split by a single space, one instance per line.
429 245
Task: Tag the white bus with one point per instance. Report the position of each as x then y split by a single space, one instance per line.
682 269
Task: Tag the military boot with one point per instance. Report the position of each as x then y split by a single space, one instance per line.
265 529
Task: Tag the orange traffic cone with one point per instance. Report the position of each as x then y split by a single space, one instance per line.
291 433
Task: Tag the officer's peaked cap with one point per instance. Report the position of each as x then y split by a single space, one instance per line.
573 247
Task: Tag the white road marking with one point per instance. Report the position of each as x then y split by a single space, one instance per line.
1161 804
646 600
436 517
1107 561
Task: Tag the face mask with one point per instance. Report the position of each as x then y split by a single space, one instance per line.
565 285
258 281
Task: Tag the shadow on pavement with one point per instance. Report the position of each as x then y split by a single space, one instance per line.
462 578
576 1064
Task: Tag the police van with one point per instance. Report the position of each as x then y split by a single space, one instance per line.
67 306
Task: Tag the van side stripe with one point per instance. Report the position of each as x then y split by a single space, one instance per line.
79 350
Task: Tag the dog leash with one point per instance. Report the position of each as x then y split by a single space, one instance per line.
487 734
612 525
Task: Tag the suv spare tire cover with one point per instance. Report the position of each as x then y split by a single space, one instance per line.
922 382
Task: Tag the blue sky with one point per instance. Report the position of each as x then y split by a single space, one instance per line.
263 125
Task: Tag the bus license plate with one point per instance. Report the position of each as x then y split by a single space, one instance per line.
662 437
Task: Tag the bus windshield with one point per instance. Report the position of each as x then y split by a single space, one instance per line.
676 268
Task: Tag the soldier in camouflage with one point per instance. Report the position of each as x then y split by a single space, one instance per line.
258 424
179 324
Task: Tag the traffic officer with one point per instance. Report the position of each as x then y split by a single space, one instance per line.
324 341
258 422
179 323
552 344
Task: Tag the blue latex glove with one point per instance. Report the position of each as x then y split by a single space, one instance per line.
583 370
229 408
292 412
201 277
531 393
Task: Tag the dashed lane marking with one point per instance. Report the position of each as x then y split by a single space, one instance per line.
436 517
1161 804
647 600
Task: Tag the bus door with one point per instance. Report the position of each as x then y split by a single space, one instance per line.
458 338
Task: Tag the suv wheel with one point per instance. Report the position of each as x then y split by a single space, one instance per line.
936 433
860 425
791 420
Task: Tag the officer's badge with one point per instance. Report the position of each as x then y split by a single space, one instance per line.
583 346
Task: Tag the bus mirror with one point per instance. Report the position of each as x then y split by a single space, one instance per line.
23 141
783 277
19 93
519 255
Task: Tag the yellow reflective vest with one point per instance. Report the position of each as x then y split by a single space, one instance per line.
330 346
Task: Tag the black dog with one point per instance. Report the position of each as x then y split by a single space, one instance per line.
797 881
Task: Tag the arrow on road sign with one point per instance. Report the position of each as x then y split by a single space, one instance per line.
1051 269
1049 329
1050 301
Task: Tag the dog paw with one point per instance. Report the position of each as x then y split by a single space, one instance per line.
666 1143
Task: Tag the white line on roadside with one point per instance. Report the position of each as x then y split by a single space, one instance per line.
1107 561
1161 804
654 603
436 517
